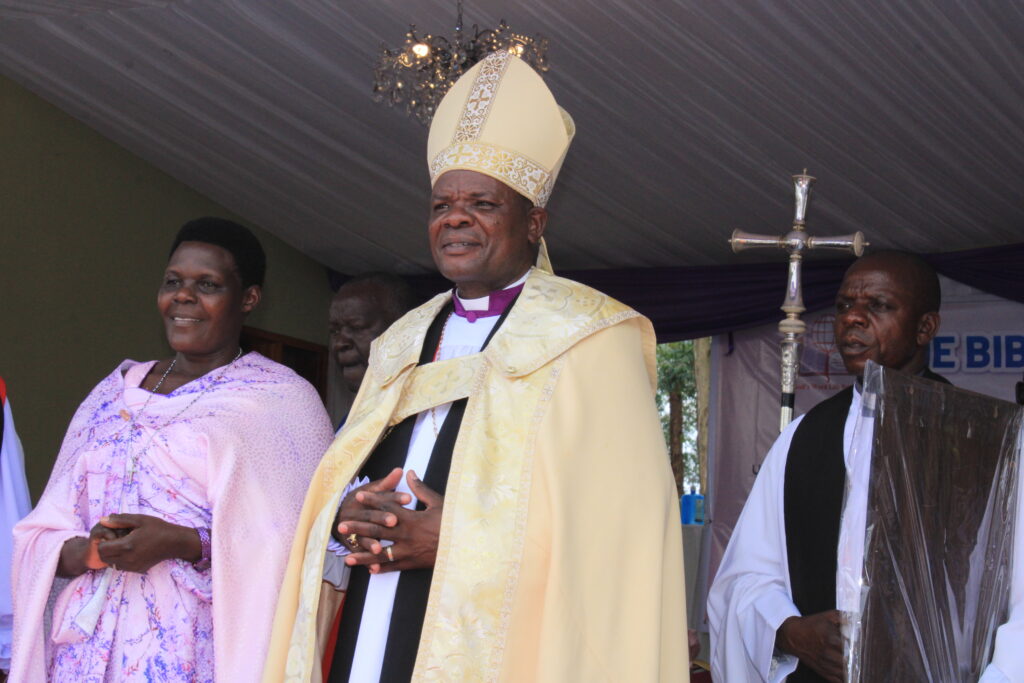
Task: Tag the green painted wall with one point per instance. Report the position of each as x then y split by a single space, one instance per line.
84 231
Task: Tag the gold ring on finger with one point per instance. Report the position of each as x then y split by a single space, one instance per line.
390 553
353 541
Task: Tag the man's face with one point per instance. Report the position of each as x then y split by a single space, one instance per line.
356 319
482 233
878 318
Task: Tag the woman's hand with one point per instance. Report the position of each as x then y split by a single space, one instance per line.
77 556
135 543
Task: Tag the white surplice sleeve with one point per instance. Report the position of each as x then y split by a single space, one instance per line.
1008 661
751 595
14 504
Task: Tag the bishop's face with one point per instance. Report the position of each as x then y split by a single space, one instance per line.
483 234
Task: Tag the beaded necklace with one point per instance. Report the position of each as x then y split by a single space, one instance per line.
437 354
133 461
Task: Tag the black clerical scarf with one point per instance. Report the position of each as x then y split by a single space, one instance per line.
413 585
813 507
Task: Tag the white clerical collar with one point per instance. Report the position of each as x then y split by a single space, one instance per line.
484 302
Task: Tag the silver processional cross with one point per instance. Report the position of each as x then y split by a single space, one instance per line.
796 242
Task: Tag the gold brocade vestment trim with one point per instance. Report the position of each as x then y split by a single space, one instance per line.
508 386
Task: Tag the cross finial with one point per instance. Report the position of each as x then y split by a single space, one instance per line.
796 241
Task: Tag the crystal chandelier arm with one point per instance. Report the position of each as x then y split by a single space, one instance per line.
420 72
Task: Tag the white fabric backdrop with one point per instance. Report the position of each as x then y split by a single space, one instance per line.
691 115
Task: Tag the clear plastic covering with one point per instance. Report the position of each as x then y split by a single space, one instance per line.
938 507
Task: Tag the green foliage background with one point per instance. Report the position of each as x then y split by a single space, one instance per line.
676 374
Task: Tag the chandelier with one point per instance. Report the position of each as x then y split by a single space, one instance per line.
420 72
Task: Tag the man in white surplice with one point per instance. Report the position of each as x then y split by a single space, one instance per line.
14 504
887 312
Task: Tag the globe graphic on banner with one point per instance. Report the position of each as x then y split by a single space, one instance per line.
819 347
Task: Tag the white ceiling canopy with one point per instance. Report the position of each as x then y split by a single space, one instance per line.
691 116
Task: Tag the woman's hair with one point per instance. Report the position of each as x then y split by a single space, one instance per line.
236 239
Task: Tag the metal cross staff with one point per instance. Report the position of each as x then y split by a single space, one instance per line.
796 242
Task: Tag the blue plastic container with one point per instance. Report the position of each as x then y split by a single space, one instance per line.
691 507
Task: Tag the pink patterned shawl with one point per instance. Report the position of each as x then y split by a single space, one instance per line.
233 451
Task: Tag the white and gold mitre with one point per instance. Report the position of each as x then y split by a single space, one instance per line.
501 120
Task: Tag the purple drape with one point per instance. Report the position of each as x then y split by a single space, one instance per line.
685 303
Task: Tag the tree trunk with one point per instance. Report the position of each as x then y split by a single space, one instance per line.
702 373
675 437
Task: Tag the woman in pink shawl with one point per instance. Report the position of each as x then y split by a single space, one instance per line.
166 524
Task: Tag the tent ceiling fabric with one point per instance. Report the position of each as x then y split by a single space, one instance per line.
691 117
